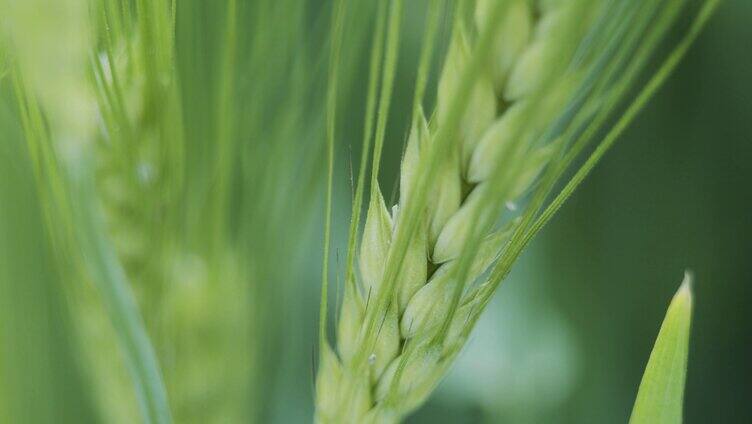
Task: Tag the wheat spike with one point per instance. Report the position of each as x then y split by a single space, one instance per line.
551 71
422 297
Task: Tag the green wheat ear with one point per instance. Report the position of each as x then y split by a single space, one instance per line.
661 394
526 87
191 224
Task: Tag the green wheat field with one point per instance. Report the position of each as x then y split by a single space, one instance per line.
375 211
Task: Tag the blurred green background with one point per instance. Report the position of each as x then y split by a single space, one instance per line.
567 336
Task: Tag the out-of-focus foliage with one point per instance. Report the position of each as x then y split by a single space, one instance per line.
167 147
41 379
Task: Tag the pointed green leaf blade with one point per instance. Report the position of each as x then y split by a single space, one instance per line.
661 394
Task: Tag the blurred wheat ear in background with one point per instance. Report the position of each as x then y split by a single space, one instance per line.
168 141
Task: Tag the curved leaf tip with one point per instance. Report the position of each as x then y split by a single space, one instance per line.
661 393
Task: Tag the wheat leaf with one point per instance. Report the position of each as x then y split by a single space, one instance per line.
661 393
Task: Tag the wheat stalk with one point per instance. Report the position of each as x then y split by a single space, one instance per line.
511 120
